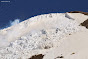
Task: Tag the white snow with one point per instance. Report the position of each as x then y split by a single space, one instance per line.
40 34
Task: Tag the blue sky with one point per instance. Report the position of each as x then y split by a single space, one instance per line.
24 9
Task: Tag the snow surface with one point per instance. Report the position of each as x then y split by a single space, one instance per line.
39 34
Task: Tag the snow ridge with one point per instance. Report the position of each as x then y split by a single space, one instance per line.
39 32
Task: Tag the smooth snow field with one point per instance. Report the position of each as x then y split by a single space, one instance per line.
54 35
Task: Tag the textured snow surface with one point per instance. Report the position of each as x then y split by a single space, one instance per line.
41 32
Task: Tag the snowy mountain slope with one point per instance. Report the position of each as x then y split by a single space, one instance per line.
40 34
51 21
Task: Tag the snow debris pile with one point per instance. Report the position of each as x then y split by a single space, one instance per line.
37 33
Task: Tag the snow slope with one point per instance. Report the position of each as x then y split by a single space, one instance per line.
52 35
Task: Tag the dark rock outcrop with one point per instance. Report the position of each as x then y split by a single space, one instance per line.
85 23
40 56
85 13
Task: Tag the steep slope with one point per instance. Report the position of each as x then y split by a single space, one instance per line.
35 24
43 34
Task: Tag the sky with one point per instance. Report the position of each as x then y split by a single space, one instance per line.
24 9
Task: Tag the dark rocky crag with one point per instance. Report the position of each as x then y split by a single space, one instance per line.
85 23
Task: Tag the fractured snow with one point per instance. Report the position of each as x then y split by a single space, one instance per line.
37 33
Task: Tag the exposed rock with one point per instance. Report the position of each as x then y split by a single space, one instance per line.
60 57
39 56
85 13
85 23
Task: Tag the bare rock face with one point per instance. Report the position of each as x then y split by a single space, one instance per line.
85 23
48 36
